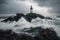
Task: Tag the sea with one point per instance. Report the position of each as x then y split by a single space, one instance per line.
22 23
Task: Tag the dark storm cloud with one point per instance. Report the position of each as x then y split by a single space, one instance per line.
2 1
5 1
55 4
12 6
41 2
5 6
21 0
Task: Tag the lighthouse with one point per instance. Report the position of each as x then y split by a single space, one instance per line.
31 9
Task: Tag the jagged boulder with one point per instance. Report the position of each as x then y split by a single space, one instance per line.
15 18
48 34
7 35
31 16
8 19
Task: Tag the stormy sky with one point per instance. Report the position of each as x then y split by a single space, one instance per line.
44 7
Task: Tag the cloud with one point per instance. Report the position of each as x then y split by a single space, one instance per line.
14 6
54 4
11 7
2 1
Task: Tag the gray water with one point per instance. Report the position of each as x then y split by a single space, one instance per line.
22 23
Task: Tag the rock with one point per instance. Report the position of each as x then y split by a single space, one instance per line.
18 16
43 34
48 18
8 19
31 16
28 17
7 35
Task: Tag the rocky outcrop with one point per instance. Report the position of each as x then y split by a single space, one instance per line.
18 16
15 18
7 35
43 34
31 16
28 17
8 19
48 18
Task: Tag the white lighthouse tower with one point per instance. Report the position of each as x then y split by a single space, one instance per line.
31 9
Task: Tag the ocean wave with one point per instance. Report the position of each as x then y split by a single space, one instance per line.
22 23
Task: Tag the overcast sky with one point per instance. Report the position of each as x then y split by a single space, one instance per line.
44 7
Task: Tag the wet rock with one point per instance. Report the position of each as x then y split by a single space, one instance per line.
28 17
43 34
8 19
6 35
18 16
31 16
48 18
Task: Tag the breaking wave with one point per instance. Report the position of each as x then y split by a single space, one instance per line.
22 23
